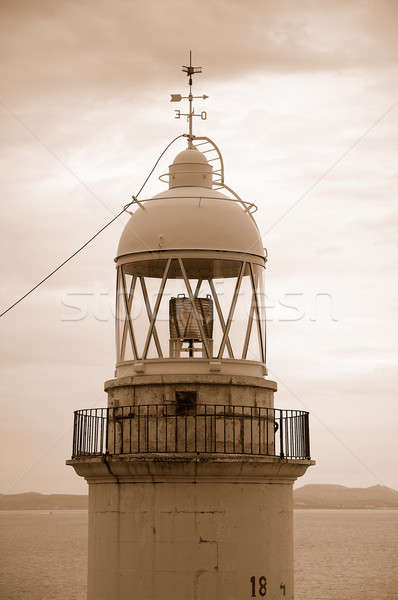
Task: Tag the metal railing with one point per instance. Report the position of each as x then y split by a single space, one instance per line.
201 428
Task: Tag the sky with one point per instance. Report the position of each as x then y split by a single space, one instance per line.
303 102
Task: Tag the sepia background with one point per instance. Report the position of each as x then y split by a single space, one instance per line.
303 101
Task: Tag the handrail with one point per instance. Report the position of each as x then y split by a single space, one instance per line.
249 207
191 428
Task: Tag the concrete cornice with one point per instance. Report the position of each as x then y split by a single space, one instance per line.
214 468
259 382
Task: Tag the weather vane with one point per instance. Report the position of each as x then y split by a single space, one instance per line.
189 70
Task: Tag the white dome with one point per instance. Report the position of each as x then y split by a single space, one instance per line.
191 218
190 168
190 155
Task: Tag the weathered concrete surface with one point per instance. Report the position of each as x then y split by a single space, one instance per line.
210 389
189 528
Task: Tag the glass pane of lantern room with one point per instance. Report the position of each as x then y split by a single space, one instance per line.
241 293
148 275
120 314
220 280
259 275
255 334
126 338
173 287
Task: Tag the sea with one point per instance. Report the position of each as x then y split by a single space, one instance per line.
339 555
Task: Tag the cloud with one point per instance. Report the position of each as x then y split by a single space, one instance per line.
71 48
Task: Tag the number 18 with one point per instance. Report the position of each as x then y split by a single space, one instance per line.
262 585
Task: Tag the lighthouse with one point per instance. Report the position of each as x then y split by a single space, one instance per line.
190 467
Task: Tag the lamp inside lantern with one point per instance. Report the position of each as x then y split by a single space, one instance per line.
190 321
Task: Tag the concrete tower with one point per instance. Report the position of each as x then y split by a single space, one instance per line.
190 467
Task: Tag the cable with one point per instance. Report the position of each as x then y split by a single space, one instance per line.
94 236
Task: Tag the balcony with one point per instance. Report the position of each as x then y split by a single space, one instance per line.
191 429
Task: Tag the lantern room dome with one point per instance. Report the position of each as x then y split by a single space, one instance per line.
190 155
190 168
191 218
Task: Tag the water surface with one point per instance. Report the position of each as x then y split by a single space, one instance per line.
340 555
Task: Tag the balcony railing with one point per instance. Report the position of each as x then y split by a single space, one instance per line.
201 428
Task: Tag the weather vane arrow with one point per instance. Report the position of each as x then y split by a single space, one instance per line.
189 70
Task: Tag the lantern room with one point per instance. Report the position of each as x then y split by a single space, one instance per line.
190 271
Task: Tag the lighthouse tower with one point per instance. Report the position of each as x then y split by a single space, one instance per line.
191 467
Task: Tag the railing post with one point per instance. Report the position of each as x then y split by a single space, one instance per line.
175 430
107 431
196 427
307 435
225 433
147 428
166 434
74 435
139 428
251 430
157 427
281 453
79 432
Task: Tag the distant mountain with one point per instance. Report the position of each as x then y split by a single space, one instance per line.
308 496
35 501
339 496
